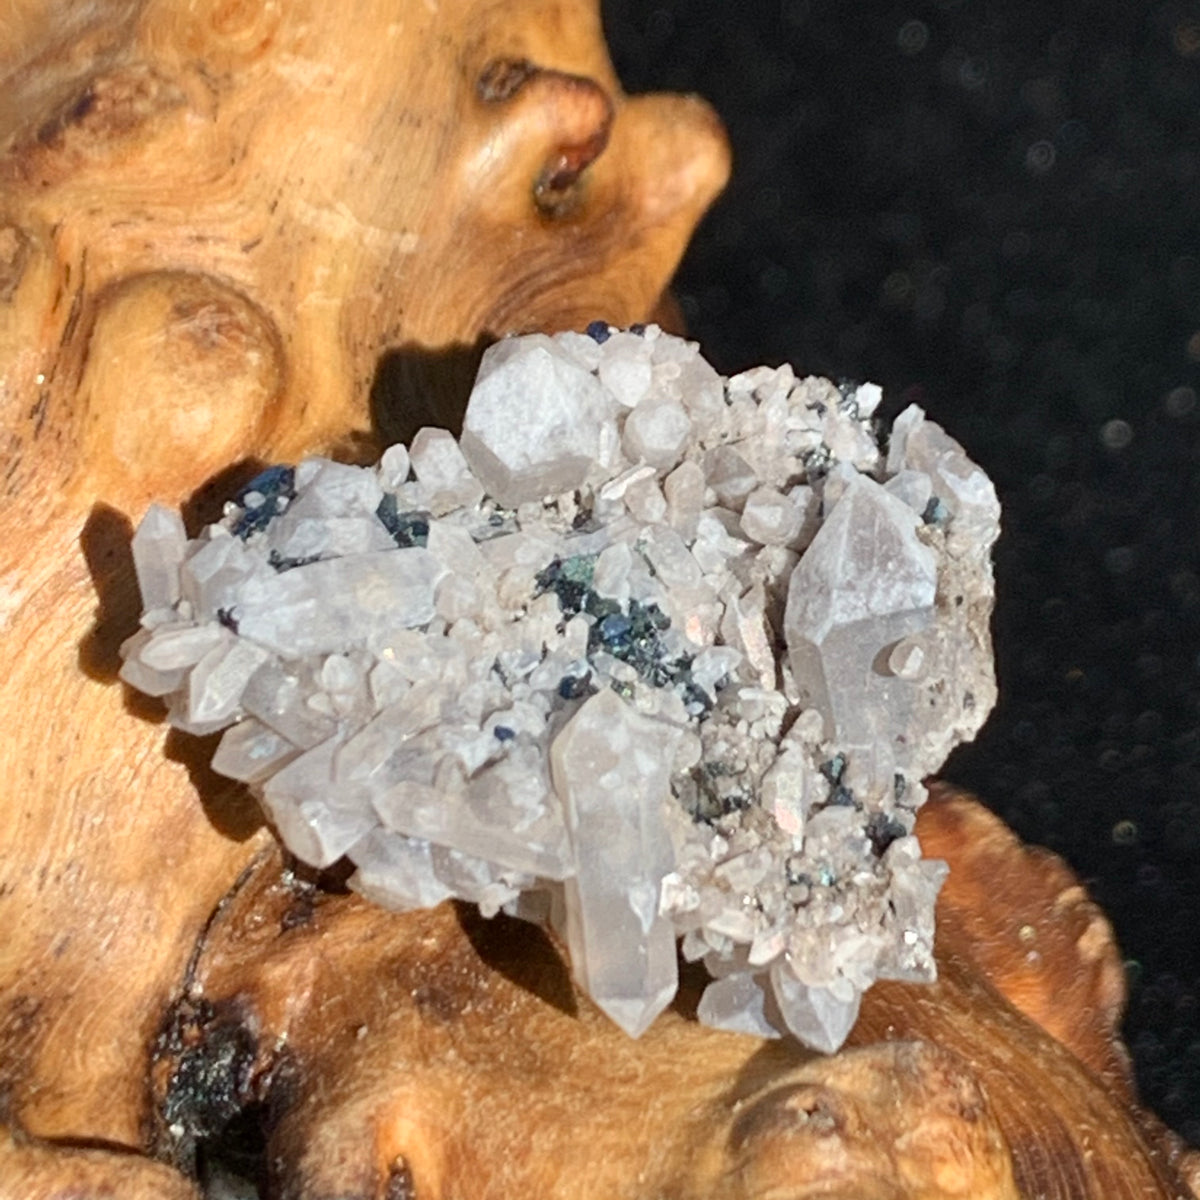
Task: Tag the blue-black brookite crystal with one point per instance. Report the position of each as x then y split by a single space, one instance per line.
632 633
407 528
273 484
278 483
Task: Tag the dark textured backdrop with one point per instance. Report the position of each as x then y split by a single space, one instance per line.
993 209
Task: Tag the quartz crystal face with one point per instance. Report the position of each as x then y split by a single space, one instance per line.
655 657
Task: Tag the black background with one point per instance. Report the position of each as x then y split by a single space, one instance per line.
994 211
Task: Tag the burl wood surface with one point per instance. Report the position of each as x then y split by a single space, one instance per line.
456 1054
216 218
236 231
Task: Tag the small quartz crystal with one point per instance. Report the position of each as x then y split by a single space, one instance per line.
645 655
158 549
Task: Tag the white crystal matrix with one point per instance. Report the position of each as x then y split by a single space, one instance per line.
647 654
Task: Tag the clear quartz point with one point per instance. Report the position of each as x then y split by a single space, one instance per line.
337 604
158 547
218 680
821 1017
736 1003
318 823
866 582
214 576
537 422
611 768
251 751
395 871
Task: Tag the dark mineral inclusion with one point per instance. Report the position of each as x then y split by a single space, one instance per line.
632 634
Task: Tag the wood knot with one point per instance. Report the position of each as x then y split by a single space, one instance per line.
247 24
862 1121
502 78
180 368
112 107
575 111
805 1108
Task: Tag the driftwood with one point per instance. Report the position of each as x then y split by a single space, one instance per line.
455 1053
236 231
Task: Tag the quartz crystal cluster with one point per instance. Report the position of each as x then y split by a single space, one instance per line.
646 653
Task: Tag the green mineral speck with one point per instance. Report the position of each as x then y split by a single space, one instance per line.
580 569
832 770
570 579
